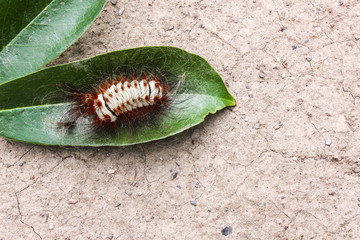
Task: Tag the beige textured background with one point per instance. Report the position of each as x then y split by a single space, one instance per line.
262 167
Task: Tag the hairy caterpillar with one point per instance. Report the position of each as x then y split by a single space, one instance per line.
120 100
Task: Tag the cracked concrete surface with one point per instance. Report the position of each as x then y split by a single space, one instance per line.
261 167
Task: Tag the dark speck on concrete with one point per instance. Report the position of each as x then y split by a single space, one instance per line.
194 203
226 230
174 175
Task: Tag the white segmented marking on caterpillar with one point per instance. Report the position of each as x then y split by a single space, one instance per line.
110 93
136 91
102 111
144 89
126 96
154 91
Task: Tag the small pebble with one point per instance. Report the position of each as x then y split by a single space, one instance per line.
283 75
111 171
226 231
7 165
174 175
73 201
257 126
51 226
121 11
308 59
341 3
251 95
178 186
261 75
282 197
171 28
65 221
247 86
359 199
294 47
236 20
113 2
357 37
195 135
194 203
278 126
328 142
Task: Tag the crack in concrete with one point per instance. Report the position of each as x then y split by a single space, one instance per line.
145 165
319 20
351 94
29 185
222 40
13 164
21 217
44 174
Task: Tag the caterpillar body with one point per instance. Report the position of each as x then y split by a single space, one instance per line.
122 99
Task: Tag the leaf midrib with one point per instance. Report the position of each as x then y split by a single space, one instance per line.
69 103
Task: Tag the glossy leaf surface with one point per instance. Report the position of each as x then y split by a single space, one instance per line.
29 110
34 32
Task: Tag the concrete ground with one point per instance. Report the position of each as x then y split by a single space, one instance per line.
283 164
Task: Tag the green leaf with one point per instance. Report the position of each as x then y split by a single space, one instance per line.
34 32
30 112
